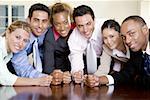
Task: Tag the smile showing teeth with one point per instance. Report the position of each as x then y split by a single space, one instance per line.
38 30
63 32
17 47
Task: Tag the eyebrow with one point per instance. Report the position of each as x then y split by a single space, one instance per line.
129 31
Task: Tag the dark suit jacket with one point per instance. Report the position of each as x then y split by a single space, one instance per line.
133 72
56 53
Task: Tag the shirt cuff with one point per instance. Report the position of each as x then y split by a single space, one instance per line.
110 80
73 71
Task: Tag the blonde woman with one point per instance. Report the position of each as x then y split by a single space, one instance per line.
14 40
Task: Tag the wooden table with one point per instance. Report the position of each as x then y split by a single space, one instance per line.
74 92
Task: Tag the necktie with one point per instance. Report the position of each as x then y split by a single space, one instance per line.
147 64
36 57
91 58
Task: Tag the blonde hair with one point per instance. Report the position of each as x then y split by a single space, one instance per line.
18 24
60 7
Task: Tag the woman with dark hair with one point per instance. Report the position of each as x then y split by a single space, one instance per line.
56 48
115 53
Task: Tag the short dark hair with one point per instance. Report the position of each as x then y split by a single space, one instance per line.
111 24
38 6
82 10
135 18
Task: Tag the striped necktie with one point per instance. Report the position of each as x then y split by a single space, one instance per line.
147 64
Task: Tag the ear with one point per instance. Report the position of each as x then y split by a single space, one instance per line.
28 20
145 30
7 32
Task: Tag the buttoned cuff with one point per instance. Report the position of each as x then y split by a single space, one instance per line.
110 80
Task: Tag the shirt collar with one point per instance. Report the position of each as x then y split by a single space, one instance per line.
4 46
56 34
148 48
40 38
121 54
94 35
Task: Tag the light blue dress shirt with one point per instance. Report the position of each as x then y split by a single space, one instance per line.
20 60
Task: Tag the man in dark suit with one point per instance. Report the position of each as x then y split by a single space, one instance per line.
136 35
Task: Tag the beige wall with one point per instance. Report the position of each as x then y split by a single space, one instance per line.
116 9
145 11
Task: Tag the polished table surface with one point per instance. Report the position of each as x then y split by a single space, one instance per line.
74 92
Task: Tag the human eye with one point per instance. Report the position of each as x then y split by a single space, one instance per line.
66 22
36 20
56 24
80 26
123 37
89 23
105 38
26 40
111 36
131 34
45 21
18 37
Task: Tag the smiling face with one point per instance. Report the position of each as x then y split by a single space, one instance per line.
39 22
62 23
111 38
17 40
85 25
134 34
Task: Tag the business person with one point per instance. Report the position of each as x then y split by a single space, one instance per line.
56 48
136 71
87 33
38 19
15 39
114 56
137 37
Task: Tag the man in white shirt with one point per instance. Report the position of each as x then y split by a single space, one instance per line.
87 29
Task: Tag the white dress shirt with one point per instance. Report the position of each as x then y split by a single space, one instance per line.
147 49
78 44
6 77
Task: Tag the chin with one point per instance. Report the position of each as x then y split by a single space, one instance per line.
15 51
64 35
134 49
88 37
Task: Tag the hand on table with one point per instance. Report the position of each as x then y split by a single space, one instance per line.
57 77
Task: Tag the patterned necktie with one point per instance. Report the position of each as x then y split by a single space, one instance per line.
36 57
147 64
91 59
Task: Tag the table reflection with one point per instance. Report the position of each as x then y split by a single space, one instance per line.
73 92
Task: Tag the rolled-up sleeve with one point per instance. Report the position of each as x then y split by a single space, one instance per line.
76 46
22 66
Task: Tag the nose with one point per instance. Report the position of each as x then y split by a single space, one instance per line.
21 44
62 27
109 41
40 24
85 29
